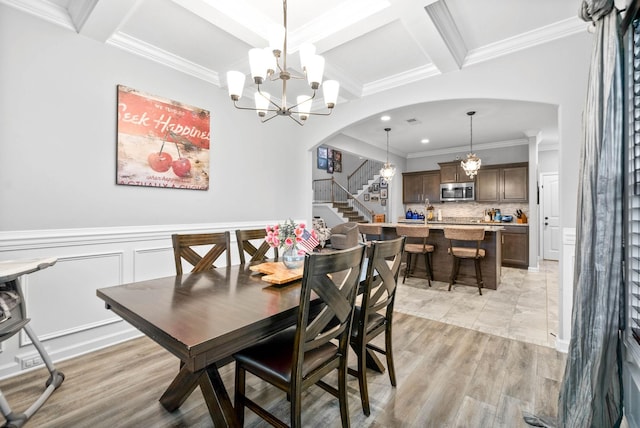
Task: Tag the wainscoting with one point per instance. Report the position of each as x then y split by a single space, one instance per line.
61 300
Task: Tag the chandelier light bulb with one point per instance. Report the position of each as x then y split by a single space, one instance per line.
330 89
306 51
258 63
235 83
262 103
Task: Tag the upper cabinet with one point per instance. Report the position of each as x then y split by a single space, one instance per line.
452 172
503 183
417 187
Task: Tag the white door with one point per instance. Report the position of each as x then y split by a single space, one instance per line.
550 214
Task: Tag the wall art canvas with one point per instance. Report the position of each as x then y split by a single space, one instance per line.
383 193
161 142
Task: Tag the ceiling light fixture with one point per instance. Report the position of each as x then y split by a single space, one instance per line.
265 64
472 163
387 171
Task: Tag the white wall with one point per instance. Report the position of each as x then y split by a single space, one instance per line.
58 140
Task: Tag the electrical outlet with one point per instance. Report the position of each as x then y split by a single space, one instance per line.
27 363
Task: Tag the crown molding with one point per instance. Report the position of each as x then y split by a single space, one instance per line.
44 10
477 147
154 53
80 11
400 79
526 40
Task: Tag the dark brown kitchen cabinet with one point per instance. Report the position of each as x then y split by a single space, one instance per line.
452 172
515 246
503 183
417 187
488 185
515 184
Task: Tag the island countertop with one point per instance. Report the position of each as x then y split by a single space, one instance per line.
441 260
488 227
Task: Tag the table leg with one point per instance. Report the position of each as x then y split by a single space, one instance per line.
181 387
213 389
373 362
217 398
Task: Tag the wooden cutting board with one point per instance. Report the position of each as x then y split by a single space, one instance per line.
277 272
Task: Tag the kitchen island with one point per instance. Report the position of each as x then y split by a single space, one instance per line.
442 261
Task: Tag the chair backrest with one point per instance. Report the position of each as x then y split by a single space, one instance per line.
182 249
453 234
244 238
333 278
414 233
381 281
464 233
370 230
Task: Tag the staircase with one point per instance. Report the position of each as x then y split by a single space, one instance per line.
349 212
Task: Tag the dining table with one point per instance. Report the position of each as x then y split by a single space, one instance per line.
203 319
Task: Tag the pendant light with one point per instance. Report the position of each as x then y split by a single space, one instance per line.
387 171
472 163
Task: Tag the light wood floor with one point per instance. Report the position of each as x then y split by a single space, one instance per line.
448 376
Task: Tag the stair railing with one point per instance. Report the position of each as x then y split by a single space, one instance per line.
361 176
327 190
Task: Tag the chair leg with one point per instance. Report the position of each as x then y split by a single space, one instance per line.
361 353
389 354
407 267
454 271
238 402
479 279
427 266
296 410
342 392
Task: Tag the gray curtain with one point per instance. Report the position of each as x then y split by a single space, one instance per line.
591 390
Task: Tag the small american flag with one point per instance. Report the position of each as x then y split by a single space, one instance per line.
309 242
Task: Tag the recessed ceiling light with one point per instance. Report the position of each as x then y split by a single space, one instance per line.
424 140
385 118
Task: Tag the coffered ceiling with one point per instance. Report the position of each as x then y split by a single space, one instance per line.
369 46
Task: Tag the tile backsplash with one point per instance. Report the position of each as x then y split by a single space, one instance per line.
471 209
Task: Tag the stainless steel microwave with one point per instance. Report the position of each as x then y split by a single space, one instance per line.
458 191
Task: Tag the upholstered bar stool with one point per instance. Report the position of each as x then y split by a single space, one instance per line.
370 231
416 244
457 238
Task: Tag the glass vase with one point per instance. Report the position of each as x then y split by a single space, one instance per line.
291 258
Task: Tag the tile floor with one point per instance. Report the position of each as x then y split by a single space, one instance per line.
524 307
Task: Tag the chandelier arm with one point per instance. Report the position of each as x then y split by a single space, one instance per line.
296 120
320 114
269 118
290 109
235 104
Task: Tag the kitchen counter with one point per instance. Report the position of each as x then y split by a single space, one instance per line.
491 264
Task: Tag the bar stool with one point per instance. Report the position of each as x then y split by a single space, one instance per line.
461 252
418 233
370 232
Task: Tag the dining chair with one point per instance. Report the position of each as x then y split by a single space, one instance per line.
459 251
244 238
374 315
416 244
183 248
305 353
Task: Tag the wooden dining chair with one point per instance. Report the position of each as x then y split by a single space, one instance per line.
304 354
375 313
183 248
244 238
460 249
416 244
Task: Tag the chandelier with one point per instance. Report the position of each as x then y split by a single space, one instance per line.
270 64
472 163
387 171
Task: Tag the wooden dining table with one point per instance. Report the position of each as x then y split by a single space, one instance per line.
203 318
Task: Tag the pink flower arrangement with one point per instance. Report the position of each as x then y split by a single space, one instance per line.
287 235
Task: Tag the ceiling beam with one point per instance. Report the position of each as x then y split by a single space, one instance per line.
101 19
